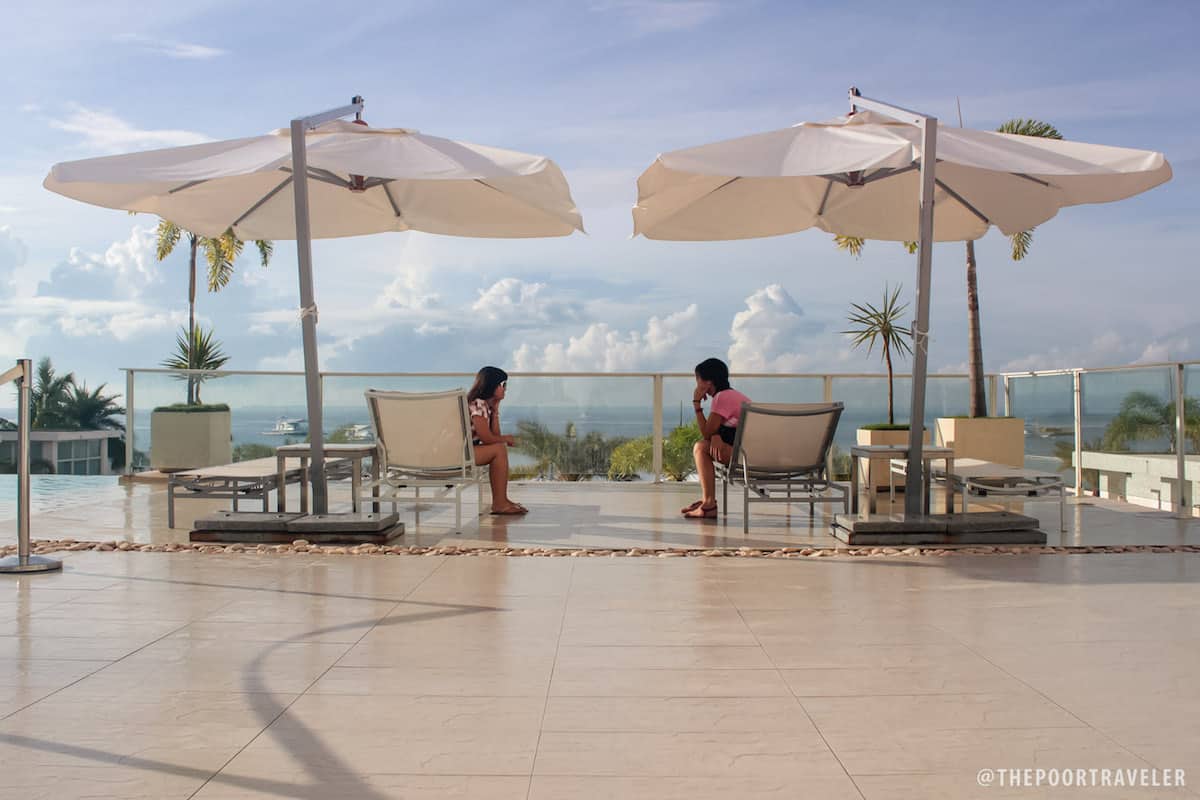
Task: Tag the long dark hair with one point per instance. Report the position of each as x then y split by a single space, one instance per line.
486 381
715 371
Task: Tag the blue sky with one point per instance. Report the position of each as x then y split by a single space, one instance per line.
601 86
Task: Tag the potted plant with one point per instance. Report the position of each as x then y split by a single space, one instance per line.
871 326
192 434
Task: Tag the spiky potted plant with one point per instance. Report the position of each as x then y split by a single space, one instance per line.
192 434
872 326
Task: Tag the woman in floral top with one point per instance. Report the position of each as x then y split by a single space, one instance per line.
491 446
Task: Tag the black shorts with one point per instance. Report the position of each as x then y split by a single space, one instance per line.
727 434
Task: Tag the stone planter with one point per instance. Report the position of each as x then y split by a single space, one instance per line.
997 439
877 470
190 439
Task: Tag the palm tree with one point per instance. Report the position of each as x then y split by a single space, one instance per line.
881 325
93 411
203 353
220 253
1020 243
1143 416
49 397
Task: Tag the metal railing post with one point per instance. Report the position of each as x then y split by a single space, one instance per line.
658 427
24 560
994 400
129 422
1077 380
827 396
1007 398
1182 491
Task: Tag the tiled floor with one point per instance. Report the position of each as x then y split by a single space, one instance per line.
146 675
599 515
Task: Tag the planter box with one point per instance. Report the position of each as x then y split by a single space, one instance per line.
877 470
187 440
997 439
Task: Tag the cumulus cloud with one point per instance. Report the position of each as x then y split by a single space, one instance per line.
125 270
771 334
105 132
13 254
601 348
171 49
517 302
410 290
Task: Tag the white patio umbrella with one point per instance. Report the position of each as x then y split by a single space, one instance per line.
867 174
359 180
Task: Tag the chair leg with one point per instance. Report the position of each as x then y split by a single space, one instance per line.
746 509
1062 510
724 495
458 508
170 504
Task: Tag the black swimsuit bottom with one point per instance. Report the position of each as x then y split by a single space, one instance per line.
727 434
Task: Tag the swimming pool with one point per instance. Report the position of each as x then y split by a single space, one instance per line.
51 492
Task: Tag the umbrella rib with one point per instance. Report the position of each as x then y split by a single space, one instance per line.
1038 181
964 203
387 190
825 197
262 201
522 200
187 185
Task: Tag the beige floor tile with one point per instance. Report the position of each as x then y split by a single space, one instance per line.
377 787
491 653
70 648
145 780
832 787
675 715
717 754
626 682
788 653
714 627
659 657
962 676
917 713
478 680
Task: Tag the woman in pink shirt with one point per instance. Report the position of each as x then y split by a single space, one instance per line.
716 430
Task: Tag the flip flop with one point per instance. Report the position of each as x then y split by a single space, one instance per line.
692 507
510 511
702 513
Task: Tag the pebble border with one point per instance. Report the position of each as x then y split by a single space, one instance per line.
46 546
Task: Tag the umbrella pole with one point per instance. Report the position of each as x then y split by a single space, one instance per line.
308 303
914 483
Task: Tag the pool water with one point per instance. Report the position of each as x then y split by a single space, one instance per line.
49 493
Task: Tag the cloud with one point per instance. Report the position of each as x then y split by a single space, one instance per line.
13 254
125 270
771 334
600 348
166 47
410 290
517 302
661 16
104 131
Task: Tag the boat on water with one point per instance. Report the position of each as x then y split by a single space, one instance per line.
288 427
359 433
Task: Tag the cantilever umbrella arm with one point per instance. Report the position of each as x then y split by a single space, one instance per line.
308 304
914 488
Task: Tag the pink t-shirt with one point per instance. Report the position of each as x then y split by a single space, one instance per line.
728 405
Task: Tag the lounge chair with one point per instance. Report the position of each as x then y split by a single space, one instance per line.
780 455
989 479
425 440
243 480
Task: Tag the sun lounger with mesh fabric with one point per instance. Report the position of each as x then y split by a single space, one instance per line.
989 479
243 480
780 455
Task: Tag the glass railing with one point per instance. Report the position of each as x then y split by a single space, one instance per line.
1046 404
624 426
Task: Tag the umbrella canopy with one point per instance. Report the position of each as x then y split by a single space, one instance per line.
360 180
858 175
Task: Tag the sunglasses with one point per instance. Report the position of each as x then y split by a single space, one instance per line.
503 384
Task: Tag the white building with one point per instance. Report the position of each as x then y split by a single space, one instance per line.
70 452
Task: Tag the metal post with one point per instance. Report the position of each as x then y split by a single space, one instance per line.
658 427
308 305
1007 397
993 386
1078 459
827 396
914 488
24 560
1182 498
914 483
129 426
